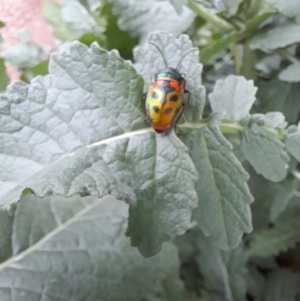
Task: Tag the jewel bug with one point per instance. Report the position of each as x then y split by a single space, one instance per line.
164 101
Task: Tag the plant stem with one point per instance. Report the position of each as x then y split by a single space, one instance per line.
237 59
235 36
210 50
207 15
248 65
287 56
230 127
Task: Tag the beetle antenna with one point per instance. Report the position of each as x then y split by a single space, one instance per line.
185 56
160 53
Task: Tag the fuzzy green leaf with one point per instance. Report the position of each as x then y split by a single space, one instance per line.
265 152
75 249
142 17
275 120
276 95
223 272
289 8
235 96
84 133
292 141
282 285
291 73
284 235
278 37
223 211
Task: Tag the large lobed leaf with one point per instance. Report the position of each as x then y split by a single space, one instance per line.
81 130
234 97
74 249
223 211
223 272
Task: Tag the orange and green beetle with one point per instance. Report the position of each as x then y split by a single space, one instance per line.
165 97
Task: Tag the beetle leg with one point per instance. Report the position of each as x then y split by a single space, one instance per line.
188 100
146 118
144 96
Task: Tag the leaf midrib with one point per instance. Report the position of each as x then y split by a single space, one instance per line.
48 236
273 242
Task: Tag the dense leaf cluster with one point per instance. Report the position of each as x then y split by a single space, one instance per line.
96 206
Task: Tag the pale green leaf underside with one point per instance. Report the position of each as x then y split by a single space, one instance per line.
223 210
284 235
275 120
282 285
233 96
289 8
141 17
224 272
291 73
84 132
279 37
75 249
149 61
265 152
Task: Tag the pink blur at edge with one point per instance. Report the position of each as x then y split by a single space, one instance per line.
18 14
